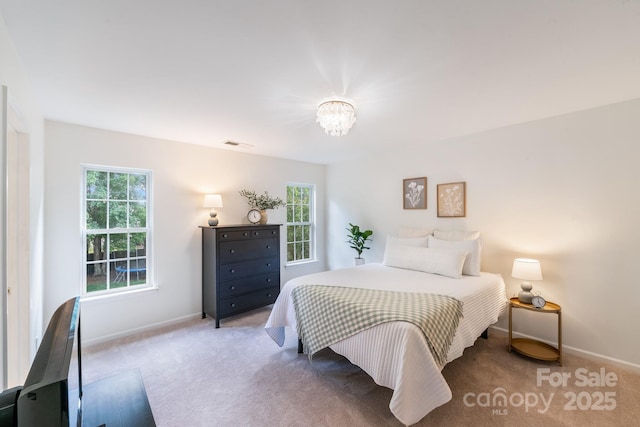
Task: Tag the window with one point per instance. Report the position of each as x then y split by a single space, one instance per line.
116 230
300 223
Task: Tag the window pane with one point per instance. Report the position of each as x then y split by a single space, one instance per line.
305 196
289 213
118 246
298 250
306 233
137 244
290 194
96 277
117 214
119 274
96 185
138 271
290 252
96 247
290 233
96 215
138 214
298 236
306 252
305 214
117 186
137 187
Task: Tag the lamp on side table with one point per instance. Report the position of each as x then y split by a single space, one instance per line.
526 269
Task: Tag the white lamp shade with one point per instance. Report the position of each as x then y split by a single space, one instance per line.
526 269
212 201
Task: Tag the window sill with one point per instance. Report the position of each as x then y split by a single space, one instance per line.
116 296
297 263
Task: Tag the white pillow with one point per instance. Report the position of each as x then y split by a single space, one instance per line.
445 262
413 232
408 241
472 247
456 235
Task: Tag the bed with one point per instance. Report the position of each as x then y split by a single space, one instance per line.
396 354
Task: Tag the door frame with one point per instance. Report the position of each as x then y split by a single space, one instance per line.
16 241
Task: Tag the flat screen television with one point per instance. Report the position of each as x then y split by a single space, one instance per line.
52 392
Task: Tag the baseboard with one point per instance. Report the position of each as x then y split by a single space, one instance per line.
99 340
595 357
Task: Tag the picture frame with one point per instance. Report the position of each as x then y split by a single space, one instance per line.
452 199
414 193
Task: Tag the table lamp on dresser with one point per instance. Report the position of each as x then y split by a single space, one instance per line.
212 201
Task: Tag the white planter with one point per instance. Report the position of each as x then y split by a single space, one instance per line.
358 261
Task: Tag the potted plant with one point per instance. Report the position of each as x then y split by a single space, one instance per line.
357 240
262 202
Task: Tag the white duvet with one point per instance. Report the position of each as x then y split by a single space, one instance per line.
395 354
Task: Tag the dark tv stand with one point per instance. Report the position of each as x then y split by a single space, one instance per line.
117 401
8 401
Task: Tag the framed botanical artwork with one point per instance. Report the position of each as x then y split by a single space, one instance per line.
452 200
414 193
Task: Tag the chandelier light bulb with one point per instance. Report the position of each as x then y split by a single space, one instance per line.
336 117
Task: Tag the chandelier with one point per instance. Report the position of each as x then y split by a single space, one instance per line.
336 117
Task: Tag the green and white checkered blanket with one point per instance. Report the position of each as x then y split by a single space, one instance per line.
328 314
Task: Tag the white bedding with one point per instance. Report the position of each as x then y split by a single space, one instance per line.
395 354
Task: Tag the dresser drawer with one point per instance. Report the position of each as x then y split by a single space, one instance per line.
265 233
249 284
238 270
239 250
248 233
234 235
245 302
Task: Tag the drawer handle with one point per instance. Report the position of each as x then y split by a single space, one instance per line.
257 233
225 235
232 288
233 304
232 251
268 247
245 234
268 264
269 280
269 294
232 270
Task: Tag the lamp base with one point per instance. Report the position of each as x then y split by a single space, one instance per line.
525 297
213 221
525 294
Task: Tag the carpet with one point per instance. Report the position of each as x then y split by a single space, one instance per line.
196 375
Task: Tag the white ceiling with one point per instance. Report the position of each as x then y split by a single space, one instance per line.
253 71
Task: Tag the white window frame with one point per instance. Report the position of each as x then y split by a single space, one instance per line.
311 223
148 256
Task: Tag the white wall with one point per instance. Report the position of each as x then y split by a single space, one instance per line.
563 190
182 173
22 100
